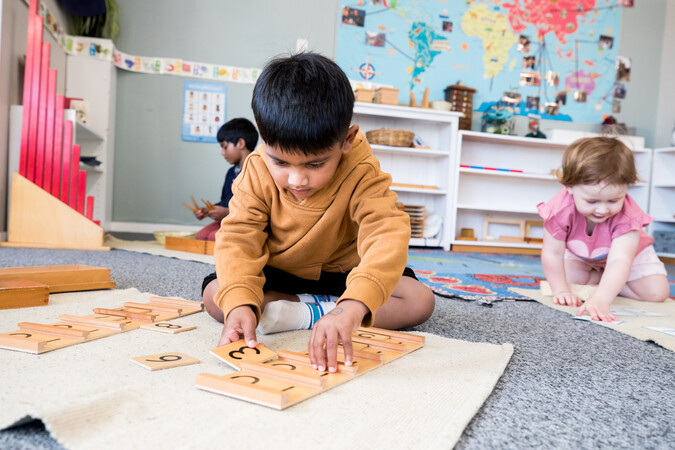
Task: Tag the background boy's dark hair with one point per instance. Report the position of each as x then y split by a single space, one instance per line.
239 128
303 103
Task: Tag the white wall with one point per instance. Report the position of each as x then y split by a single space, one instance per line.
665 112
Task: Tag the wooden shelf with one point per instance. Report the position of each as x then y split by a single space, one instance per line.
498 209
410 151
499 173
85 133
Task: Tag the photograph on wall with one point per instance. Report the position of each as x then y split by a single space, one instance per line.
353 16
203 110
561 98
606 42
622 68
375 38
523 44
532 103
528 62
619 90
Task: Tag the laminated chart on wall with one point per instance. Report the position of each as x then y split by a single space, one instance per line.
554 58
203 110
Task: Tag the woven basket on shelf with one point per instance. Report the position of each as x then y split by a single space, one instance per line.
396 138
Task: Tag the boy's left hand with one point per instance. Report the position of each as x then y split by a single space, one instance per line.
597 309
335 327
218 213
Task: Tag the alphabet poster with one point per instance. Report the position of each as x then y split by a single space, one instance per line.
203 110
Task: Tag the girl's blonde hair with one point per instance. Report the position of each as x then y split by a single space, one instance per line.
598 159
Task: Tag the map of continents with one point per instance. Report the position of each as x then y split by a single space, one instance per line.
412 45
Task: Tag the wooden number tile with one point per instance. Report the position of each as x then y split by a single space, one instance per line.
368 334
303 364
303 358
282 370
103 321
236 352
361 354
394 334
155 307
255 388
382 345
165 360
143 317
187 306
32 342
386 355
55 330
168 327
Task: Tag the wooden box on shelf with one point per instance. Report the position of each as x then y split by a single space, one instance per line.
363 95
386 96
461 98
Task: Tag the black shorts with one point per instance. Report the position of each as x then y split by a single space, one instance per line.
330 283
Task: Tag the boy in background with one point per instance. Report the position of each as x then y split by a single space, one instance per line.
312 213
237 139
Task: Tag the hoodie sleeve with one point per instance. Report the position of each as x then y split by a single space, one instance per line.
382 242
240 251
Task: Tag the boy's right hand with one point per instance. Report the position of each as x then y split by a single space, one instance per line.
240 321
566 299
201 213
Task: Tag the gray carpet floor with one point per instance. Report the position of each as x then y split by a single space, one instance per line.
570 384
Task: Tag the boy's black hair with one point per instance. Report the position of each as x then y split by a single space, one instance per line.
303 103
236 129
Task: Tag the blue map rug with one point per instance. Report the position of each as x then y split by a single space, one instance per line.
478 276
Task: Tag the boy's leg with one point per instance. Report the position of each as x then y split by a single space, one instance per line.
209 230
411 303
277 318
207 297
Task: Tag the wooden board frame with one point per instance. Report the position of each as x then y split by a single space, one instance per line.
66 228
65 278
283 378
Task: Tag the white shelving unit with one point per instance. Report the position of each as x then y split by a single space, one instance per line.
662 199
480 190
96 137
428 167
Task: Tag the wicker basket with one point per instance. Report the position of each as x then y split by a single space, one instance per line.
396 138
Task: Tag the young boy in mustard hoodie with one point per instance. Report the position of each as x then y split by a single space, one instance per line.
312 213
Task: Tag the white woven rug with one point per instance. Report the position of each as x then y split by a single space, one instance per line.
91 395
154 248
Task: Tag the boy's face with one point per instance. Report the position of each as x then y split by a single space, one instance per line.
598 202
232 151
303 175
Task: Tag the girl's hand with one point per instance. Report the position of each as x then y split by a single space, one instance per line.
597 309
566 299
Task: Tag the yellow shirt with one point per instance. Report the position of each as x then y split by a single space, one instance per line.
350 224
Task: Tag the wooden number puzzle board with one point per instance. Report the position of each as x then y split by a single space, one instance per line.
70 330
283 378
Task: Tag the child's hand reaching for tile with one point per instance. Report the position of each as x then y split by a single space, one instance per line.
335 327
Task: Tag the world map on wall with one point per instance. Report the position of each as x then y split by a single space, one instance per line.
554 58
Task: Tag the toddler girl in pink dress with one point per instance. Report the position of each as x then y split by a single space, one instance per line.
593 231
